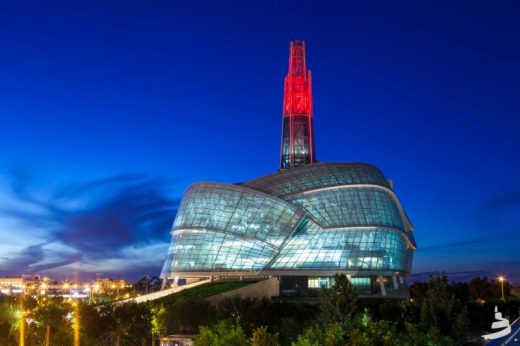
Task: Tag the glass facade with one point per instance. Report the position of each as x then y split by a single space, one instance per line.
362 283
304 223
322 219
342 207
320 282
233 209
204 250
296 141
317 176
376 249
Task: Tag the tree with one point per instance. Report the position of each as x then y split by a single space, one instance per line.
52 317
290 328
313 336
339 307
224 333
413 336
335 335
439 313
497 288
206 337
374 333
287 319
127 324
461 291
262 337
159 321
437 307
418 290
340 303
93 325
187 314
480 288
9 321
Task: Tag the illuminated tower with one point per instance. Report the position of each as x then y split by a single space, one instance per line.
297 134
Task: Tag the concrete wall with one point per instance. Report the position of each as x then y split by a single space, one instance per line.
263 289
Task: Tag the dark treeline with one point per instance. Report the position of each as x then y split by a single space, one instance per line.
438 313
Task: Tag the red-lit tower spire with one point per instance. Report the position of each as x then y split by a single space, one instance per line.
297 134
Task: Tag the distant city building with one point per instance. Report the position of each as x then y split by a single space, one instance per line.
148 284
177 340
38 286
303 223
12 285
110 284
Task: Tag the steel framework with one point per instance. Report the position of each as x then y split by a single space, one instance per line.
297 147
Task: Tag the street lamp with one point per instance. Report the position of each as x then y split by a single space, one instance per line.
501 278
43 288
22 328
76 323
96 288
66 288
29 322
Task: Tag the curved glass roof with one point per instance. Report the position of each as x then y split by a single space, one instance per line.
329 217
319 175
204 250
353 206
239 210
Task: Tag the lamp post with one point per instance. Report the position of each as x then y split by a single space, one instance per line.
88 289
43 288
22 328
96 289
29 322
113 291
76 323
66 288
501 278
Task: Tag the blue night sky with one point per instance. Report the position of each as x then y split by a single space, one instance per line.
109 110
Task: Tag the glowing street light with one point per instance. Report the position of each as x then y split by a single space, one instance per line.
96 287
43 288
66 287
502 278
22 328
76 323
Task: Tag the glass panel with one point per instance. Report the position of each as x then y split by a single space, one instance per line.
364 206
317 176
372 249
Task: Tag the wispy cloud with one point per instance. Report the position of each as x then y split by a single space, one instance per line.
501 212
458 243
452 276
508 199
86 227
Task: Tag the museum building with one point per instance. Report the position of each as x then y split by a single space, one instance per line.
301 224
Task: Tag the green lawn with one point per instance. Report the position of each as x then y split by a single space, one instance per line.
206 290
